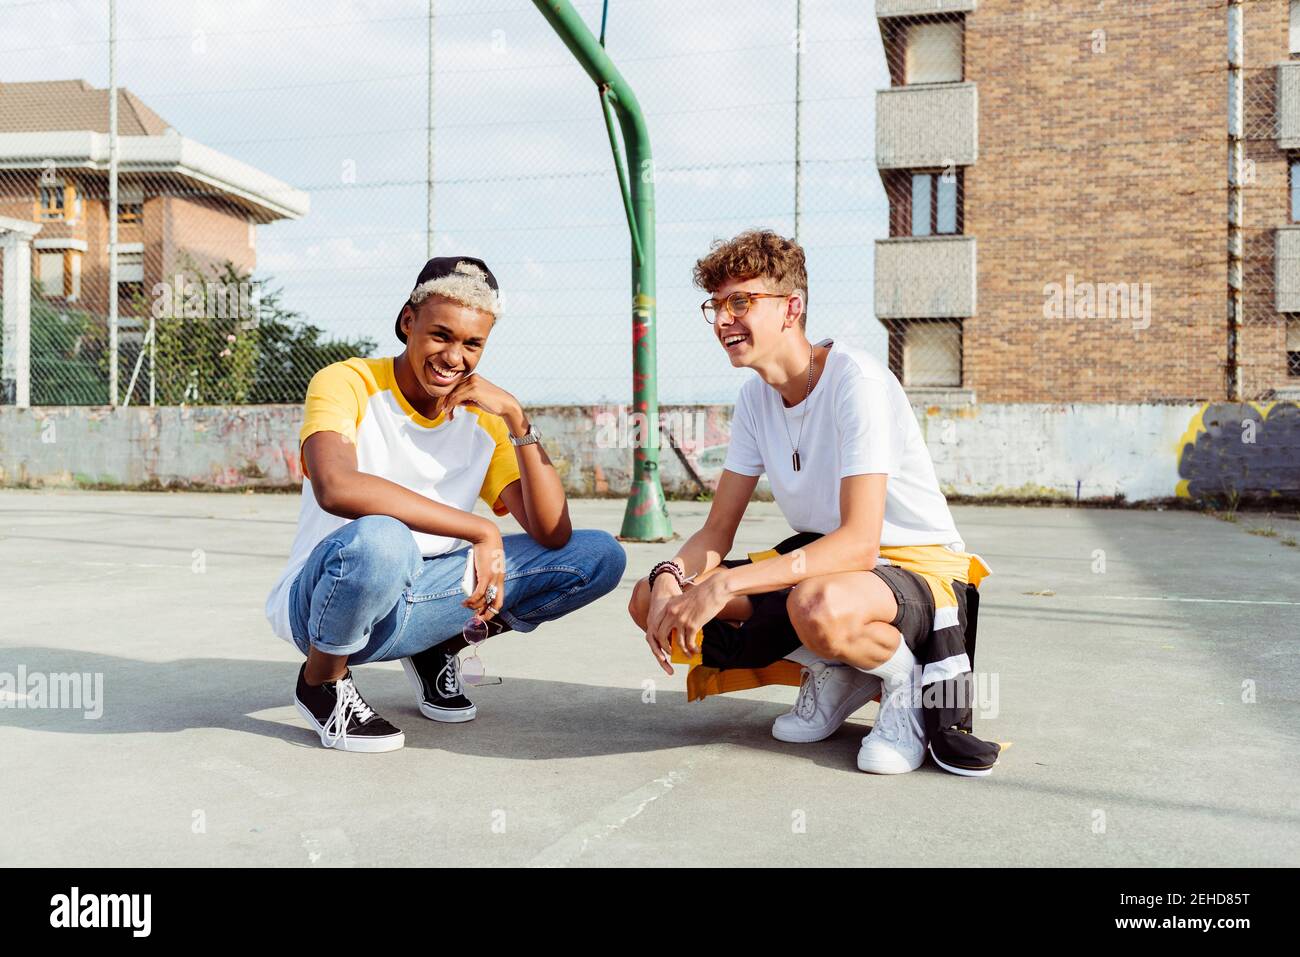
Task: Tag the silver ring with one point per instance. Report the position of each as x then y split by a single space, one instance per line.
491 595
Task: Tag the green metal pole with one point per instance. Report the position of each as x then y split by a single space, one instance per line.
646 517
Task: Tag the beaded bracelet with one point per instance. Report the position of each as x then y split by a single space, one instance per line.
668 566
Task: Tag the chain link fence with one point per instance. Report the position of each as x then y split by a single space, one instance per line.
274 171
1268 337
271 207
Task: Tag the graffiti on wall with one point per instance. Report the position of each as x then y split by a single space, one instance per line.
595 444
1241 449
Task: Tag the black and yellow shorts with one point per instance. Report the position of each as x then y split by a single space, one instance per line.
753 654
915 603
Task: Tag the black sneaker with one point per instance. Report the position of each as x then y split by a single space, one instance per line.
435 676
948 730
337 712
958 751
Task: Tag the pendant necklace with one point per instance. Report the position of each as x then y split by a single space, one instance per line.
794 458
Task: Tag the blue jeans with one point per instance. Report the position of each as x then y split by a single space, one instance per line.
366 592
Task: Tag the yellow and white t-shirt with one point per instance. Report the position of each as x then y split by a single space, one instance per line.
452 462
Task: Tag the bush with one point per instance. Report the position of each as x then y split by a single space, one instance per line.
203 354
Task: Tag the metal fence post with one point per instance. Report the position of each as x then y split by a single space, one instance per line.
112 204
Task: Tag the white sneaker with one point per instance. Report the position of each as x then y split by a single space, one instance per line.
828 694
896 743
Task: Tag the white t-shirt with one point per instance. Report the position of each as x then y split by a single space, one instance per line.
858 422
453 462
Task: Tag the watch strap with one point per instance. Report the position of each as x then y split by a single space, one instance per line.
528 438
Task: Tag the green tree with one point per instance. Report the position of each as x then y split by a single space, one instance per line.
265 353
66 355
206 348
291 351
213 346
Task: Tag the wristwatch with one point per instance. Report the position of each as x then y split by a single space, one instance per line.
528 438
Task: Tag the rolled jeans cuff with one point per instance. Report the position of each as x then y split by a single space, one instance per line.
516 624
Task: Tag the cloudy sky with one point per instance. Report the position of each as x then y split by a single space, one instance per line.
331 96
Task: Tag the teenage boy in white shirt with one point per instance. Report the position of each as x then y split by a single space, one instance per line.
881 559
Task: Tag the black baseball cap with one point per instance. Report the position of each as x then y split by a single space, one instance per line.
439 268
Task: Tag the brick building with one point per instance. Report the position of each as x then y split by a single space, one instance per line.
178 200
1058 183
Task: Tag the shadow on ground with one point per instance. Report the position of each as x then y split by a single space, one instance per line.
522 719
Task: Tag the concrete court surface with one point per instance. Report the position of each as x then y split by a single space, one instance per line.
1124 695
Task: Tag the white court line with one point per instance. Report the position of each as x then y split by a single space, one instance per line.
612 817
1212 601
606 821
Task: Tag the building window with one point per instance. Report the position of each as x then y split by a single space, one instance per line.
925 203
58 201
49 272
934 204
130 281
924 49
130 205
925 353
58 273
1295 27
933 51
54 202
1293 347
130 266
1295 190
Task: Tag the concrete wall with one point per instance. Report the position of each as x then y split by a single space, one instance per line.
207 446
1141 452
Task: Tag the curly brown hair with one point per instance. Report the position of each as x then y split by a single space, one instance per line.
756 253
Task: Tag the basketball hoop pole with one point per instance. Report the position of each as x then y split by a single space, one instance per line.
646 517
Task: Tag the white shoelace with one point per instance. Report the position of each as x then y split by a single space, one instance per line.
348 704
450 677
889 723
805 706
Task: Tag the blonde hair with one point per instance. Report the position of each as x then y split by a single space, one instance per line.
466 285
